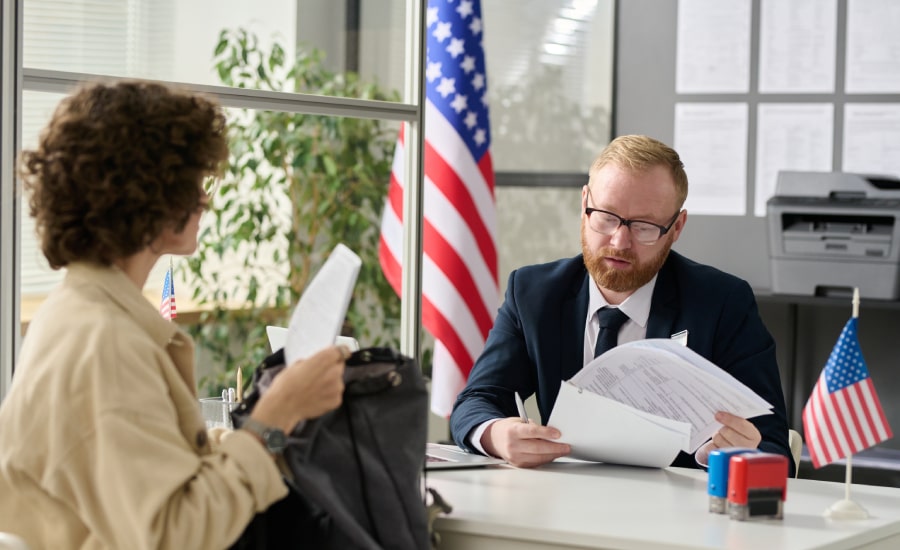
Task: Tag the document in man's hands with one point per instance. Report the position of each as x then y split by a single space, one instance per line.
642 402
319 315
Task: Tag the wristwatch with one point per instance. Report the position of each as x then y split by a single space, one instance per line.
273 438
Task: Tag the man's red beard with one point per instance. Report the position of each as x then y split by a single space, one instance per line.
621 280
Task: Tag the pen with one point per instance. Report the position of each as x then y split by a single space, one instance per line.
521 406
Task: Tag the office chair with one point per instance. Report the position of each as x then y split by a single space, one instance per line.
8 541
795 441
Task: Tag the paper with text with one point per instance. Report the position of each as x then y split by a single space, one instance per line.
600 429
665 379
319 315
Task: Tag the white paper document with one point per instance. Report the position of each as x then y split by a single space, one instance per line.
797 45
601 429
873 47
713 47
790 136
711 139
319 315
872 138
642 402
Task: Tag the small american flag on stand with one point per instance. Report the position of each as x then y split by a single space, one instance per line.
843 415
167 305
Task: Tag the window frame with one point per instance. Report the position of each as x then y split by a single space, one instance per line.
10 209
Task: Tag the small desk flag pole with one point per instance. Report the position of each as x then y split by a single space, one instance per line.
847 508
843 414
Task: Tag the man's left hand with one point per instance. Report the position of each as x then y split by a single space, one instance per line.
735 432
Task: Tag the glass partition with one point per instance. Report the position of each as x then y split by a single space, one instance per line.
549 65
550 84
250 48
276 201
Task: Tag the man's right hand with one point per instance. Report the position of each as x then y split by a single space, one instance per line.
523 445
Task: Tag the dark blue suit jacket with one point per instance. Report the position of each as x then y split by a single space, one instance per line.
538 340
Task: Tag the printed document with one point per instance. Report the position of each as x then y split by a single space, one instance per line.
318 316
645 401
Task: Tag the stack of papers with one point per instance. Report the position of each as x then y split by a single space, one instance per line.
642 402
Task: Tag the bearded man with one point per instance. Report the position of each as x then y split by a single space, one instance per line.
548 326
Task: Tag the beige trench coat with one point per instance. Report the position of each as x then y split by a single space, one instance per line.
101 440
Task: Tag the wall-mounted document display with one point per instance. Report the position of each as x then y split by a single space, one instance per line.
872 138
873 47
844 53
790 136
823 95
711 139
797 44
713 49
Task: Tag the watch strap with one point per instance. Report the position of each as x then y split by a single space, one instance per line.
273 438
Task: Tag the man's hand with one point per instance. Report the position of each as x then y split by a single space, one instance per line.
735 432
523 445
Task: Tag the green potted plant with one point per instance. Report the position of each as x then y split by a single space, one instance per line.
295 186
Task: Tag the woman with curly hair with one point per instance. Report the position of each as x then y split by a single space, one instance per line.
102 443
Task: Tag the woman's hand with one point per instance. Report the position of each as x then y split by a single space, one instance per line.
306 389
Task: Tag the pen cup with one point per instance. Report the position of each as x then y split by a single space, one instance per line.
217 412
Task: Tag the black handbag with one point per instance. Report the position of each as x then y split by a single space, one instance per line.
354 474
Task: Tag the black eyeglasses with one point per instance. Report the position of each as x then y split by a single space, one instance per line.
606 223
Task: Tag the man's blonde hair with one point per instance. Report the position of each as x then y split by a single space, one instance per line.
641 153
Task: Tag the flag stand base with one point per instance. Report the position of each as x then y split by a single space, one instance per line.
846 509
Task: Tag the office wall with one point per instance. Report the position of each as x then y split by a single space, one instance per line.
645 104
645 83
805 329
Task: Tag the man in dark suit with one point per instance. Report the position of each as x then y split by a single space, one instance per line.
548 326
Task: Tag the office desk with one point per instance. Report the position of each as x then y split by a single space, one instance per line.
572 505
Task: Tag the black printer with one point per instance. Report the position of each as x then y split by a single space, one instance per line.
832 231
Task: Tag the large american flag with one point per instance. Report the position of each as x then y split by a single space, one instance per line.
459 271
843 415
167 305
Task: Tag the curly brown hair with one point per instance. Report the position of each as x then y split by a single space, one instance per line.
116 165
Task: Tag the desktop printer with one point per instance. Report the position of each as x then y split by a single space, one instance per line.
831 231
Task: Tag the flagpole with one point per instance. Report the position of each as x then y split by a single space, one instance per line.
846 508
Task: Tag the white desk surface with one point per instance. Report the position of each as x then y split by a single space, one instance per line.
572 505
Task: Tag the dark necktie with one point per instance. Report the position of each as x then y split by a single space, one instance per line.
611 320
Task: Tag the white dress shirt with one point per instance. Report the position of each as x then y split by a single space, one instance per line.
636 307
